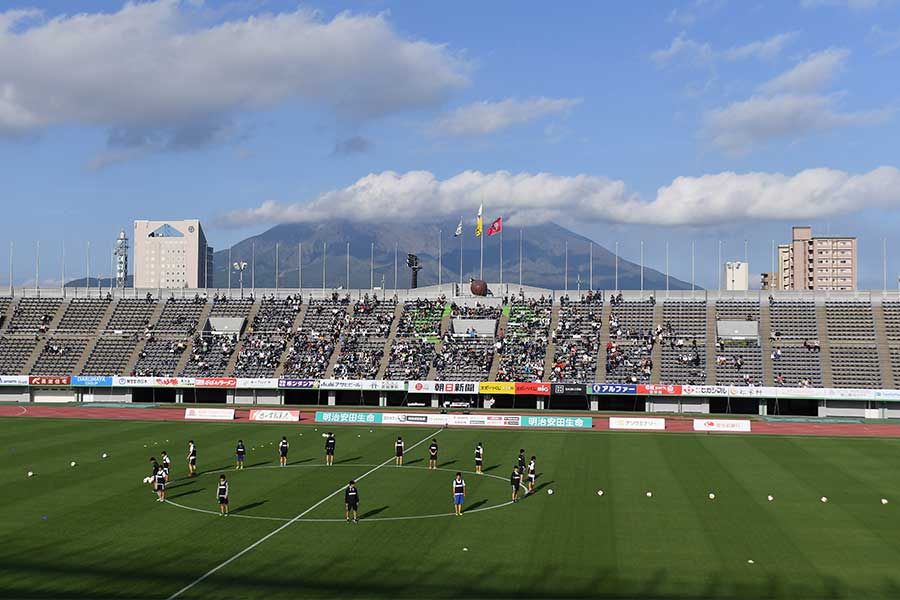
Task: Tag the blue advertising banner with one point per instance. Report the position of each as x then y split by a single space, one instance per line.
90 381
616 389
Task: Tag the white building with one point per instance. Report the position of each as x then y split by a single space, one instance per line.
171 254
737 276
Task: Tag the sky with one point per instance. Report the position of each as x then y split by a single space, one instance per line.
670 123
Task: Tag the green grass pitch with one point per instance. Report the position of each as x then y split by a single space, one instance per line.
94 531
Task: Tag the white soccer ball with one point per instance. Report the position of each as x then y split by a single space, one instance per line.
358 435
30 474
370 431
649 494
884 500
104 455
147 480
324 435
465 549
712 496
599 492
824 499
770 497
72 464
550 492
750 562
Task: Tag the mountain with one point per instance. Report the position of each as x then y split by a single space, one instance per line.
543 252
94 282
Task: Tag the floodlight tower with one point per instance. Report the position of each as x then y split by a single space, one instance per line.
121 256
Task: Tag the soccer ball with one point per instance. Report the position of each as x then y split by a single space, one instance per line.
72 464
30 474
884 500
104 455
550 492
712 496
147 479
770 497
649 494
599 492
824 499
324 435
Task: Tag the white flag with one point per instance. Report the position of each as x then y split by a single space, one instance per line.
458 229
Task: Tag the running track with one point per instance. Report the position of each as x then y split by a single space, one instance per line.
674 424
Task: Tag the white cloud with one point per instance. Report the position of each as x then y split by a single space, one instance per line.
810 75
701 54
859 5
762 49
480 118
153 69
528 198
742 125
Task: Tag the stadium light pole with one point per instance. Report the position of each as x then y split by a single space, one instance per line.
11 244
240 267
229 271
87 266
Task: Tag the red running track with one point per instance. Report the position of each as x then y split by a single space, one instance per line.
674 424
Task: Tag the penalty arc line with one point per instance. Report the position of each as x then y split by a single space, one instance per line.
289 523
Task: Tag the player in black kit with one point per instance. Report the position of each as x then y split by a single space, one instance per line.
192 458
222 495
351 502
398 451
283 452
239 454
159 484
329 449
479 458
433 455
515 480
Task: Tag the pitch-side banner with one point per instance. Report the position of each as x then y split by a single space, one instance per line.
274 415
726 425
13 380
362 385
497 387
323 416
533 389
443 387
613 389
257 383
215 382
655 389
637 423
209 414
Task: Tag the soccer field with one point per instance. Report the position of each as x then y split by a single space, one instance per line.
94 530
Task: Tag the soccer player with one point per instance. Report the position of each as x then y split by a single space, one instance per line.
351 502
166 464
459 493
159 484
398 451
479 457
522 462
432 455
515 480
532 475
222 495
239 454
192 459
283 451
154 467
329 449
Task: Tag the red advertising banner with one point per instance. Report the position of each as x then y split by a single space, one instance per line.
49 380
654 389
533 389
215 382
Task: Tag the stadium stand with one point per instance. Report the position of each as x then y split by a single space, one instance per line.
132 314
468 355
83 315
181 315
33 315
268 337
160 357
576 339
110 355
312 348
14 354
413 347
631 339
59 356
363 339
523 345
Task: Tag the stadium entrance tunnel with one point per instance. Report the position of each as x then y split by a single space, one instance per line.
204 396
567 403
734 406
509 401
356 398
793 406
153 395
622 403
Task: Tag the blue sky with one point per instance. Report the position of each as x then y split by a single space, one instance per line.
702 120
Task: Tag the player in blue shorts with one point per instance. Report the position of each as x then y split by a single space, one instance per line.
459 493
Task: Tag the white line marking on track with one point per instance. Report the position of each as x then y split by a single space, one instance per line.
372 519
289 523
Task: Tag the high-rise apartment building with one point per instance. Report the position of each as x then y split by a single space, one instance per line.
817 263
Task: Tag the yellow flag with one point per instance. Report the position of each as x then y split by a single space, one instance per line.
479 222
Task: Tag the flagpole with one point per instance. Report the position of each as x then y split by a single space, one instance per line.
299 266
396 249
348 266
440 256
372 268
461 236
229 270
37 265
501 255
617 266
667 268
520 257
253 268
11 244
642 268
276 268
62 281
591 265
324 262
692 267
481 262
566 277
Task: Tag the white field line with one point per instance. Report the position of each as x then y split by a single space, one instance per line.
289 523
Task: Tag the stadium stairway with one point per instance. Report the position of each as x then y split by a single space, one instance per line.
501 331
551 341
445 327
6 315
136 353
824 345
329 370
884 350
185 357
656 354
92 341
39 347
232 360
600 374
765 344
392 335
711 334
298 319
